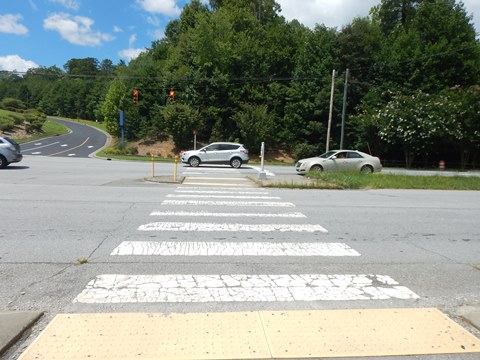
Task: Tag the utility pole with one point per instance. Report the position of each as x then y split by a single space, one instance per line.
331 112
344 110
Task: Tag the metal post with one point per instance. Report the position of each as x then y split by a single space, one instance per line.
344 109
262 175
331 112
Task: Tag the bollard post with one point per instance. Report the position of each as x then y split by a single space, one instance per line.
441 164
175 168
153 166
262 175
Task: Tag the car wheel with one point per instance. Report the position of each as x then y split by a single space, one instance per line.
366 169
236 163
194 161
3 162
316 168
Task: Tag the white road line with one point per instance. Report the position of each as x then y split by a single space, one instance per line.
40 147
216 178
226 203
116 288
212 214
180 248
210 227
203 196
36 153
217 184
222 192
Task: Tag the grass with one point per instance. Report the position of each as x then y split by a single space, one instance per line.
49 128
354 180
103 154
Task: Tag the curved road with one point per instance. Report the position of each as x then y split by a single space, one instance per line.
81 141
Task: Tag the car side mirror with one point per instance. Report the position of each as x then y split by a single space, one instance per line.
333 157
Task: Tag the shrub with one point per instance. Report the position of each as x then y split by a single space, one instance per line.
302 151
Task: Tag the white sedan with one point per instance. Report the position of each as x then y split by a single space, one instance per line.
340 160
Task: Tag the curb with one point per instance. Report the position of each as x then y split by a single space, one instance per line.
13 324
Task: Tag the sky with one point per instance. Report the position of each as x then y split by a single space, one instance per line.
48 33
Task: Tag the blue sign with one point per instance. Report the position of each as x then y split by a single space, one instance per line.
121 119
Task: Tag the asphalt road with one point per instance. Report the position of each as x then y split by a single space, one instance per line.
81 141
59 212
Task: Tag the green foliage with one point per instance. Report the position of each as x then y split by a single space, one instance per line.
121 149
12 104
180 121
31 120
111 106
303 151
256 125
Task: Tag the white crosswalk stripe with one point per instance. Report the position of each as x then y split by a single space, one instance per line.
209 227
223 196
216 214
196 248
265 287
227 203
116 288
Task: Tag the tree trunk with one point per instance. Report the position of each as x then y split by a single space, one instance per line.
409 156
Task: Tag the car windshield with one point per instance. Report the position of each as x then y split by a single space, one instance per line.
327 154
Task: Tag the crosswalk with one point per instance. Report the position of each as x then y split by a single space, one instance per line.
201 206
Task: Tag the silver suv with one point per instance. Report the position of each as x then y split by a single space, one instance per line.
9 152
217 153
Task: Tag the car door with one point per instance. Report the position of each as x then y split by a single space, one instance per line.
211 153
354 161
226 151
340 162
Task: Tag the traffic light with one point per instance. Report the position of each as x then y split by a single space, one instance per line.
135 97
172 96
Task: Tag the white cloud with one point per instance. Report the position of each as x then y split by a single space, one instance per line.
9 24
473 8
331 13
15 63
337 13
164 7
69 4
130 54
76 29
117 29
131 40
153 20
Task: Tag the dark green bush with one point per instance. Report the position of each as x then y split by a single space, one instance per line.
302 151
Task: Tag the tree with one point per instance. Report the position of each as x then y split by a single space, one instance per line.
462 125
256 125
115 100
413 122
180 121
437 50
83 67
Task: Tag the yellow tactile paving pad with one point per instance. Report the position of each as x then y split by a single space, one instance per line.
251 335
372 332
